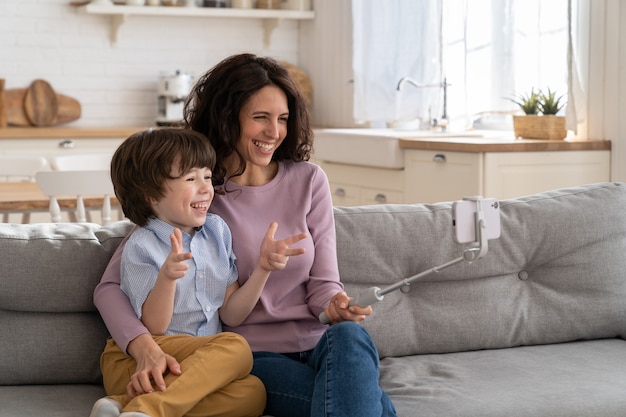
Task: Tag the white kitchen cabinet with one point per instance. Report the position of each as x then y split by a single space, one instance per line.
513 174
54 141
52 147
353 185
433 176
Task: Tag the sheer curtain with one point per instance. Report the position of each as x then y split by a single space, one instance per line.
391 40
489 51
577 102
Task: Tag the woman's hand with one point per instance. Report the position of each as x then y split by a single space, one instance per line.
276 253
152 364
240 300
339 309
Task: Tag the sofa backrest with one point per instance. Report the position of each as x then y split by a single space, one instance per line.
51 331
556 274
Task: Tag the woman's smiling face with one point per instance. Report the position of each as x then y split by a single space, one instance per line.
263 121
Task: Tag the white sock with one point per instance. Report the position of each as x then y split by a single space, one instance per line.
106 407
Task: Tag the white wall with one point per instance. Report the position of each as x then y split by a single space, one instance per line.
116 84
606 79
326 55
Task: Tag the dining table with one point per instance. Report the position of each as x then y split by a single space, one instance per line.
26 197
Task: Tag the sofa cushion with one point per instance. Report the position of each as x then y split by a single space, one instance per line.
556 274
54 267
578 379
49 400
52 332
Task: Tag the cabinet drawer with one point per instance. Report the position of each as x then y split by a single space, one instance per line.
345 195
433 176
89 150
350 195
50 147
382 178
514 174
373 196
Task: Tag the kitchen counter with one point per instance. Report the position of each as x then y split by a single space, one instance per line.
50 142
370 166
385 148
67 132
486 144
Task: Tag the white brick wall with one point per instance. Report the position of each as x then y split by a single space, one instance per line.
116 84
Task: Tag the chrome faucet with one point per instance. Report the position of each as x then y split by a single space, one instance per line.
443 122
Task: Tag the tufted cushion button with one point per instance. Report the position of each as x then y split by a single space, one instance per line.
523 275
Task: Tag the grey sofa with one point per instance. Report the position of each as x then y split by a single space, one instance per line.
535 328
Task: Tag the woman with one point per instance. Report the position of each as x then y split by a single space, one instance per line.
258 124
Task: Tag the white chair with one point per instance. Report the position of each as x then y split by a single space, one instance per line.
17 168
80 184
84 162
81 162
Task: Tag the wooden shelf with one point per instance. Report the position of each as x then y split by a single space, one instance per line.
119 13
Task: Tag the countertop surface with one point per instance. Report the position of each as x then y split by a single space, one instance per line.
502 145
470 142
69 132
467 141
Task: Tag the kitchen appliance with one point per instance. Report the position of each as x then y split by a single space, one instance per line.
173 91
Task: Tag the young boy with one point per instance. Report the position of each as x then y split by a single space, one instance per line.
178 270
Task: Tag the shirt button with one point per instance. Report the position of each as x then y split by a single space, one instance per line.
201 276
208 308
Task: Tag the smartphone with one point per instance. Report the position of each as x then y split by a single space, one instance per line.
464 220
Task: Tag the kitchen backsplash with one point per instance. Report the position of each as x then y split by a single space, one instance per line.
117 84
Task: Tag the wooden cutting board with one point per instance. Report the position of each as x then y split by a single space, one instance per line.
40 103
68 108
3 112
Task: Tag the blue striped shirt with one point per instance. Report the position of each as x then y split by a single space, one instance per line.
200 293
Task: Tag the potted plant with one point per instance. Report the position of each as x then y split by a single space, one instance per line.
540 120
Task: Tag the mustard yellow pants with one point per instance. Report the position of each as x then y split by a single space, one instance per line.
215 379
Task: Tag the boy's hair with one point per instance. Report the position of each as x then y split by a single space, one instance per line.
143 162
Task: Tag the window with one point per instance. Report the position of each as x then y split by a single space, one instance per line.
487 50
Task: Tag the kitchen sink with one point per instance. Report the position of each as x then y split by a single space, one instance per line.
371 147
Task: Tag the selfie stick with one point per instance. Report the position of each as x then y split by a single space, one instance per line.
470 254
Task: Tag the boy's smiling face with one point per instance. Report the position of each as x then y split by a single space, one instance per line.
186 199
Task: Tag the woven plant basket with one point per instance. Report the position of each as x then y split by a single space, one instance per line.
302 80
539 127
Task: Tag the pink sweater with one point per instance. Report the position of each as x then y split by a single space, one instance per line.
285 319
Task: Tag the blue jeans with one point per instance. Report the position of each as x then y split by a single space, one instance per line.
339 378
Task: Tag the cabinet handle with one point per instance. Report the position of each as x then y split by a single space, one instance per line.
340 192
439 158
380 198
67 144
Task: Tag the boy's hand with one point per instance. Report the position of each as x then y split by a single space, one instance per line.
276 253
174 266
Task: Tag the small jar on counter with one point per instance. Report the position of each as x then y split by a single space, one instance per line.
215 3
242 4
268 4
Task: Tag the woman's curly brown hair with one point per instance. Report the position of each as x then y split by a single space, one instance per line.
213 107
